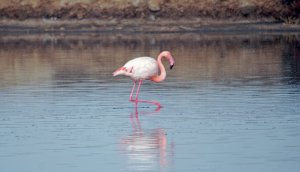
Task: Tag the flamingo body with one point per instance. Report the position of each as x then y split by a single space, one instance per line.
143 68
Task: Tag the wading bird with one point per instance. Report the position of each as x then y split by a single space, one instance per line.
142 68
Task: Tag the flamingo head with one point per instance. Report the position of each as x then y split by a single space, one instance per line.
168 55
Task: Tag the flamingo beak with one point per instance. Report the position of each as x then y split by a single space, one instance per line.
171 66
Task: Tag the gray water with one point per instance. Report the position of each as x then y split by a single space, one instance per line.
231 103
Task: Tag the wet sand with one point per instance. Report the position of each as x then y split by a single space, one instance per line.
146 26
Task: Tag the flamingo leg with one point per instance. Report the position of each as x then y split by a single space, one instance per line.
136 100
151 102
138 90
130 97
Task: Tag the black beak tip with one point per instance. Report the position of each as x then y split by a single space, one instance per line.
171 66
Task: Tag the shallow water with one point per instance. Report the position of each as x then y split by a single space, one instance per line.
231 103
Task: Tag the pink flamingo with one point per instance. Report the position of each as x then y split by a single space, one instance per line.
143 68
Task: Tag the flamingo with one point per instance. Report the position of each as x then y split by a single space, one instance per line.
145 68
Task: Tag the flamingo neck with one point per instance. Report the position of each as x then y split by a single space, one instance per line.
162 75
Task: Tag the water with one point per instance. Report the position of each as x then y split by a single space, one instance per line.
231 103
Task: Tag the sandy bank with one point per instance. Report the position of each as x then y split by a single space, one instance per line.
80 9
148 15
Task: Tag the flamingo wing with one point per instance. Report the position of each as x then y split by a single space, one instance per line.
142 67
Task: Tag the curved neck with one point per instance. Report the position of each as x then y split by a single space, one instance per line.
162 75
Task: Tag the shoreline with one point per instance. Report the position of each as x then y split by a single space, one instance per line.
205 25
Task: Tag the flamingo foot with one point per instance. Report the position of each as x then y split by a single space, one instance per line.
146 101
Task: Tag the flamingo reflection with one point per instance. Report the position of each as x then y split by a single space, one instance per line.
146 150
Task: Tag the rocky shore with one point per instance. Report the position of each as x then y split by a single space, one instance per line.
147 15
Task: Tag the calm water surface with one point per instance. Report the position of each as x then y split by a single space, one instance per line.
230 104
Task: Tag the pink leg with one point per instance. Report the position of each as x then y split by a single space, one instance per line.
151 102
130 97
138 90
137 95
